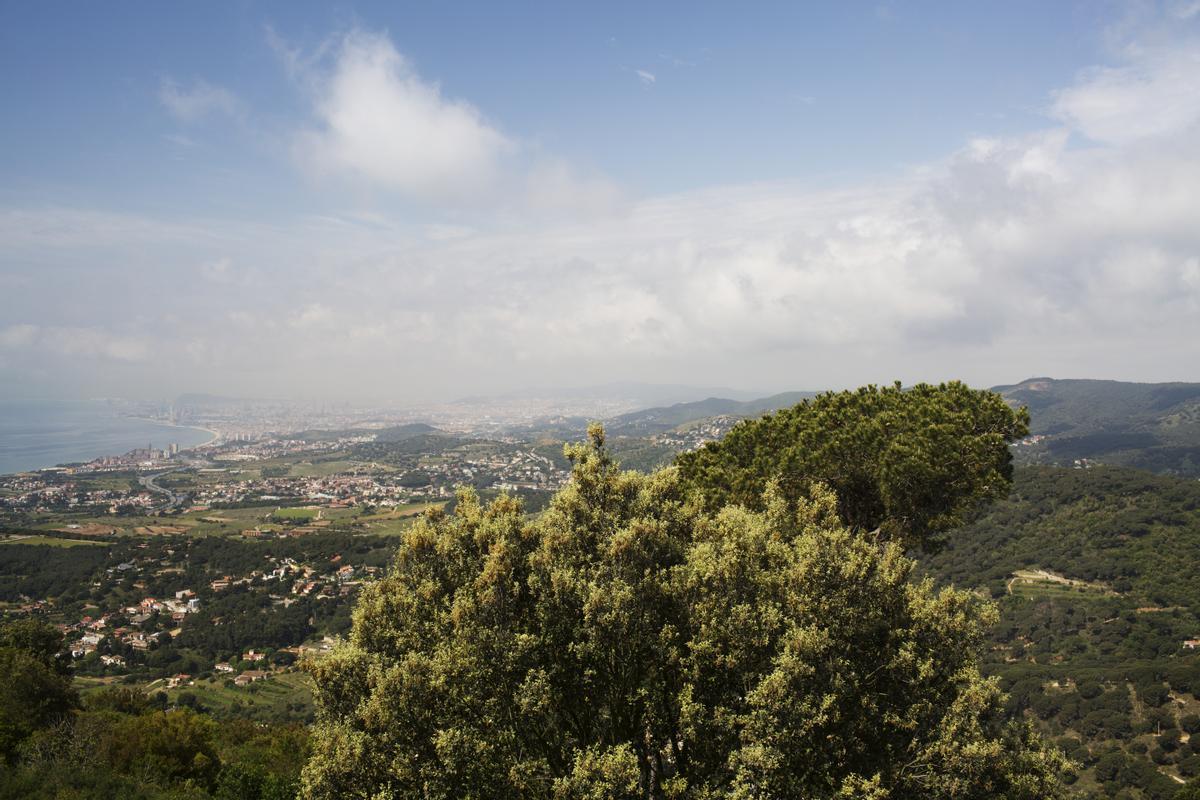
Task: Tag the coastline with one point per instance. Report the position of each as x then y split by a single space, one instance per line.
38 458
213 434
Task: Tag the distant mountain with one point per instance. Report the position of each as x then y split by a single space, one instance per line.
396 433
662 419
400 433
197 400
644 394
1154 426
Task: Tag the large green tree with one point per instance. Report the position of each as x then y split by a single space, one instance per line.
35 682
629 643
907 463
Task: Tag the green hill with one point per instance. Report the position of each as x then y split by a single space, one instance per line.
400 433
1097 574
665 418
1152 426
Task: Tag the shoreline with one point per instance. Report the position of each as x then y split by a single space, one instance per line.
214 435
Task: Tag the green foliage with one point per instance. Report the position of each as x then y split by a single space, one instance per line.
664 418
24 572
1127 530
1104 661
910 463
1151 426
156 755
121 746
35 684
175 745
121 699
631 644
239 782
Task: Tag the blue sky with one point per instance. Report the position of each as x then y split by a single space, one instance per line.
241 197
785 90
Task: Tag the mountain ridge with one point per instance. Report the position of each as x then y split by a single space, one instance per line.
1151 426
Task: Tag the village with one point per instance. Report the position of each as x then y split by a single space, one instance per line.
230 561
277 470
174 635
696 435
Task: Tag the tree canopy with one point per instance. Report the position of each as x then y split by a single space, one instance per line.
35 683
631 643
910 463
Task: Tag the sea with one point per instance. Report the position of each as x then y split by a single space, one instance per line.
37 434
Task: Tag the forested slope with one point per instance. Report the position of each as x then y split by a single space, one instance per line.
1096 572
1152 426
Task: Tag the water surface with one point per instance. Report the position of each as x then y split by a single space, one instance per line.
36 434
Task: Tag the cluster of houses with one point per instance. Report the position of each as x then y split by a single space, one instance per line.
127 625
305 581
513 469
243 675
516 469
121 626
43 493
337 491
521 470
696 435
247 676
262 447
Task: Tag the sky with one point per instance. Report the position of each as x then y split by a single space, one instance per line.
409 202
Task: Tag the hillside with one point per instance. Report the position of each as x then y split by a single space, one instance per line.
1095 572
634 392
400 433
664 418
1152 426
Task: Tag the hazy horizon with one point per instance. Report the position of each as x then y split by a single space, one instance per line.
380 204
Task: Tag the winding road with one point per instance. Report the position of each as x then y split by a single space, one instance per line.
173 500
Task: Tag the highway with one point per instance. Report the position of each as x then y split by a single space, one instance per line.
173 500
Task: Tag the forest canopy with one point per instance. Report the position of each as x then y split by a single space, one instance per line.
909 463
635 642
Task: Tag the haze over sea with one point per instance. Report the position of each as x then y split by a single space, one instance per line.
36 434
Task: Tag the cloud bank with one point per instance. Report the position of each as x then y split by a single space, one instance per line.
1073 250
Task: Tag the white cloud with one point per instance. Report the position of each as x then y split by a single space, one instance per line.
381 123
313 315
1016 255
379 120
1020 253
201 100
1156 93
647 78
553 186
